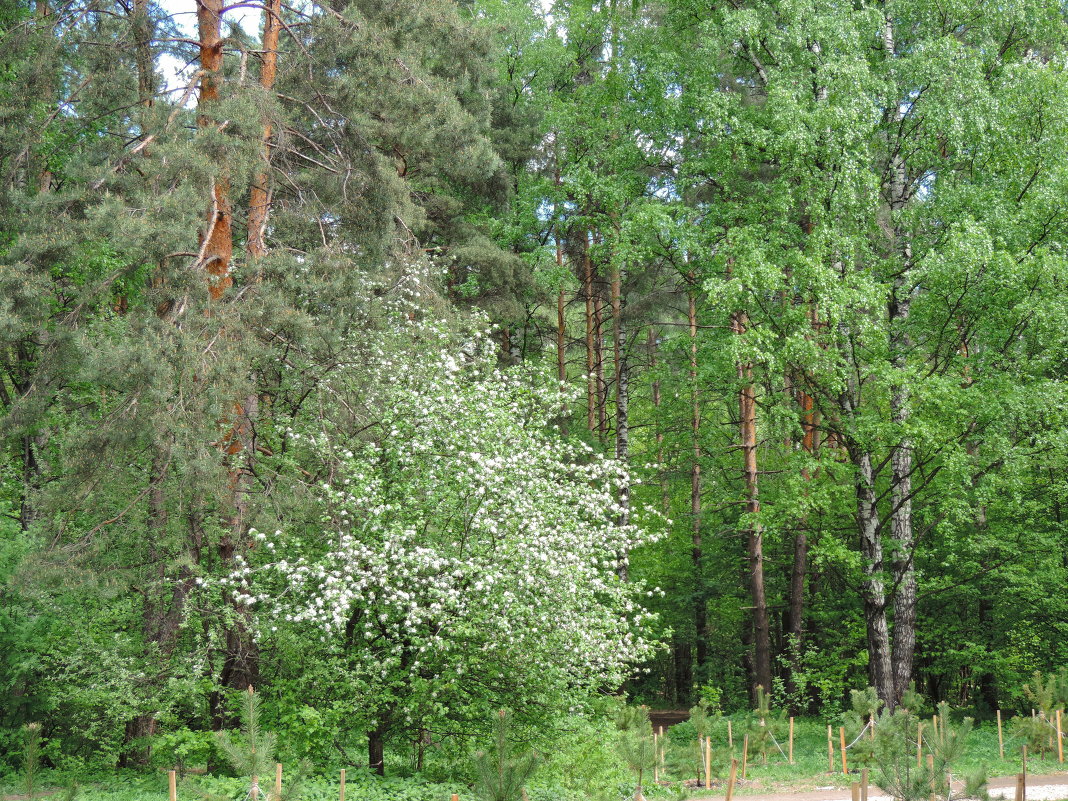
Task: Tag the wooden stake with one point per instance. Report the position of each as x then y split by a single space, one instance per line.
934 725
342 795
1023 760
871 728
708 763
1001 737
278 781
1060 739
731 779
930 770
172 786
1021 787
455 797
730 737
656 759
854 791
919 744
830 750
791 757
841 739
745 754
700 759
764 749
864 785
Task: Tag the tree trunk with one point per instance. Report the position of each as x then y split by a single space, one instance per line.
558 235
217 240
146 73
561 341
376 749
700 611
755 532
591 375
619 359
259 202
872 588
902 563
682 661
795 626
598 346
665 499
902 558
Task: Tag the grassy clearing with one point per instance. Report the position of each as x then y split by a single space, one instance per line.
810 768
809 771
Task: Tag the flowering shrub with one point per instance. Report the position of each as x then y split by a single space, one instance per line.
468 551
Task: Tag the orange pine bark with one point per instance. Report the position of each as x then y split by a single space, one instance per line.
217 241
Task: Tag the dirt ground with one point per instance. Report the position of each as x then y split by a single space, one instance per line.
1039 788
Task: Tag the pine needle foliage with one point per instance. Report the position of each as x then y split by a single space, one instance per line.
636 745
31 756
503 770
701 719
765 725
865 707
253 754
907 778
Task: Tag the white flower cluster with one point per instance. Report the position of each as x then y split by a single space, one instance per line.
466 535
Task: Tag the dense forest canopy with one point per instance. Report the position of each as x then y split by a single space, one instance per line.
412 360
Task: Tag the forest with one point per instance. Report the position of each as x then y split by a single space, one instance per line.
385 381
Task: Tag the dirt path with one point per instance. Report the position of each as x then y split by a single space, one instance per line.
1039 788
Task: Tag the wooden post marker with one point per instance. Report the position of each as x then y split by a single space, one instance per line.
278 781
864 785
662 748
791 757
1001 737
854 791
841 740
1060 739
656 759
172 786
1023 760
731 779
1021 787
342 795
745 754
708 763
730 737
455 797
871 728
830 750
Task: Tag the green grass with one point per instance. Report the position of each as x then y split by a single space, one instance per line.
810 770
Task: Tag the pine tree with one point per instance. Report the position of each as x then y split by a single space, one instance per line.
253 755
503 770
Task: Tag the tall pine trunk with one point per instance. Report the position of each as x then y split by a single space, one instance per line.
259 202
217 240
241 656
